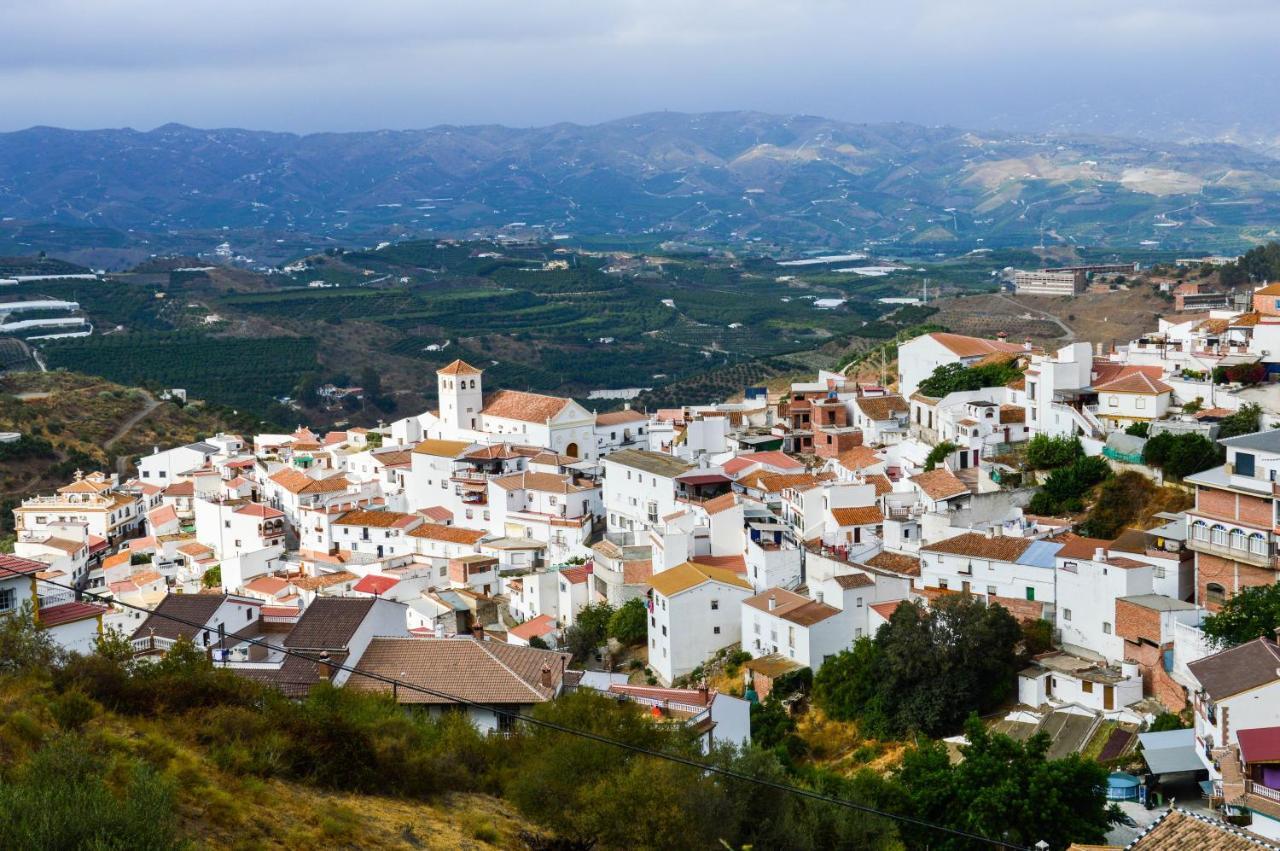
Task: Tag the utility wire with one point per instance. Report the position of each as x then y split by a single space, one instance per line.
551 725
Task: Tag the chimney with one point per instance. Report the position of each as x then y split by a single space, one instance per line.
704 692
439 630
545 679
477 631
773 602
1026 345
1099 554
323 667
1002 336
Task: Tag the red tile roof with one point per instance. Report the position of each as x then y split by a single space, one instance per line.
68 612
972 347
866 515
526 407
9 565
939 484
534 627
458 367
450 534
375 584
736 563
578 574
1260 744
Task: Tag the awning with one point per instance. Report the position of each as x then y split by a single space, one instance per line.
703 479
1171 752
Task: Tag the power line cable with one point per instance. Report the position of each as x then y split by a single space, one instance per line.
551 725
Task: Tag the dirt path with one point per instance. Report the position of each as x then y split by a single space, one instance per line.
1068 334
127 425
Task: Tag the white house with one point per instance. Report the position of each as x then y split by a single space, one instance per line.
807 631
640 488
999 566
919 357
163 468
1061 678
694 610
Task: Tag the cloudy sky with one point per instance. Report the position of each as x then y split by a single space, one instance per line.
313 65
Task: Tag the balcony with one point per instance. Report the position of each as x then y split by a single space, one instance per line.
1244 556
1252 787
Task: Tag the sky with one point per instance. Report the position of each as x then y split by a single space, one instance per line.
315 65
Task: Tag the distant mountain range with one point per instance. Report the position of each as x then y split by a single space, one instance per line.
787 181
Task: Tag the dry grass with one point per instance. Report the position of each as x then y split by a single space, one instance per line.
840 747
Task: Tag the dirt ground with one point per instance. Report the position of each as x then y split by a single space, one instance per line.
1108 317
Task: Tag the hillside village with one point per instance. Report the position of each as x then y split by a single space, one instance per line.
459 549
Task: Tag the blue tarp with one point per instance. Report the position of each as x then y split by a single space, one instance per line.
1039 554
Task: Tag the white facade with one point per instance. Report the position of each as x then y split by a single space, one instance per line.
688 627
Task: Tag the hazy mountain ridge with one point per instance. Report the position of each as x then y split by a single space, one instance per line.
716 177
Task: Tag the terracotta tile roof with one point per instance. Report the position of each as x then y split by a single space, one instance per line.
195 549
886 609
998 548
180 489
122 557
1137 382
1018 384
69 612
971 347
1238 669
778 482
296 481
9 565
865 515
736 563
373 583
859 458
577 574
496 451
939 484
526 407
1269 289
257 509
449 534
458 367
637 571
849 581
66 545
621 418
720 503
322 580
1179 830
1012 414
163 515
539 626
541 482
895 563
792 607
441 448
882 483
688 575
489 672
436 513
1078 547
376 519
1246 320
270 585
881 408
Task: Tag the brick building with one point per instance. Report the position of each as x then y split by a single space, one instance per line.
1231 528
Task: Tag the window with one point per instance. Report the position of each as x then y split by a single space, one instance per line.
664 629
942 583
1140 402
8 599
715 605
715 630
1066 614
1106 627
1086 686
859 603
1239 540
1200 530
1113 401
1218 535
1258 543
1214 593
1244 464
991 590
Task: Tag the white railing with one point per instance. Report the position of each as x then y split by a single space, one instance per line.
56 598
152 642
1255 788
280 618
1189 644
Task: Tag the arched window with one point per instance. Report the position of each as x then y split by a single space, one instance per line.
1200 530
1214 593
1218 535
1238 539
1258 543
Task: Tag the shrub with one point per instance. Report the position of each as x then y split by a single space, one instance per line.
1047 453
939 454
1181 455
1064 490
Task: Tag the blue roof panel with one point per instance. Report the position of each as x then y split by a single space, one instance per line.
1039 554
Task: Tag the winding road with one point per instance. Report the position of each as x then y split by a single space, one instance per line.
1067 332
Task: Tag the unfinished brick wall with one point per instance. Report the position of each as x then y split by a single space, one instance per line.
1231 575
1134 622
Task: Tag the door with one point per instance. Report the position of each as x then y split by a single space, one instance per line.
964 586
1108 697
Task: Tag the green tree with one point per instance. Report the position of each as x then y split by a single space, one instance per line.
1138 429
1120 500
1005 790
1166 721
23 645
1047 453
1064 489
1249 614
1244 421
1181 455
925 670
630 623
939 454
955 377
